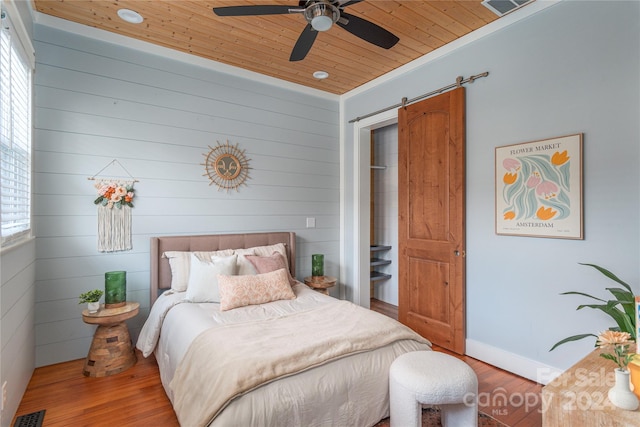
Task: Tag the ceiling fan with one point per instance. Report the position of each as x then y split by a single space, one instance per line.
320 16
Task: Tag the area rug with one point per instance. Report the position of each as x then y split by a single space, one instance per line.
431 418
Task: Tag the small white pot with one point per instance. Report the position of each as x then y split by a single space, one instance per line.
620 394
93 307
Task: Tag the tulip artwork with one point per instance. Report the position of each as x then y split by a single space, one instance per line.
539 188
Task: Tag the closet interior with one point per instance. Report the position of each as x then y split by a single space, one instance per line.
384 215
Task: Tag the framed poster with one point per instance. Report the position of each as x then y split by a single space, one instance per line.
539 188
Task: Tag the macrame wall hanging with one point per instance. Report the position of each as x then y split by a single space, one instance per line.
114 203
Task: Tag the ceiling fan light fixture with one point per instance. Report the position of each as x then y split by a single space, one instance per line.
322 15
130 16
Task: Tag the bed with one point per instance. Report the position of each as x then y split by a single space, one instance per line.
246 356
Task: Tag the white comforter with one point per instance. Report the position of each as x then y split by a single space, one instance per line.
350 391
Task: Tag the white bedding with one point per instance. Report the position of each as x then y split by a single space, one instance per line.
351 391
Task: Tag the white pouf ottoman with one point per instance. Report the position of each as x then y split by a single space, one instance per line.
432 378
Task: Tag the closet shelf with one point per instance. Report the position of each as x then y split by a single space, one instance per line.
376 276
379 261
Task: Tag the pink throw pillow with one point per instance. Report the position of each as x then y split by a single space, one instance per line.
240 291
273 262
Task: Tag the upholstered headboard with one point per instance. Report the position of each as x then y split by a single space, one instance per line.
161 271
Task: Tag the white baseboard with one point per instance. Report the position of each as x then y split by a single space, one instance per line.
527 368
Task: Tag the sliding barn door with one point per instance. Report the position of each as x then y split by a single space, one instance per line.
431 208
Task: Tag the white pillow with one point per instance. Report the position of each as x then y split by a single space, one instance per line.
245 267
179 261
269 250
203 277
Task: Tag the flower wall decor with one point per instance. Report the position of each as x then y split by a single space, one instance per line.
114 201
539 188
114 204
114 194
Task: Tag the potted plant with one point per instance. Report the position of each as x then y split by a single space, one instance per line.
621 308
92 298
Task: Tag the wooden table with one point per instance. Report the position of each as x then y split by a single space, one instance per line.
111 350
578 397
320 283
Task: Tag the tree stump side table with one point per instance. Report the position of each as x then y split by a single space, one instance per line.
320 283
111 350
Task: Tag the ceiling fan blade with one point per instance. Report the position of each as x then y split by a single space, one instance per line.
368 31
251 10
304 43
348 3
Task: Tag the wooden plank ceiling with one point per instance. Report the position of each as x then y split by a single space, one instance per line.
263 43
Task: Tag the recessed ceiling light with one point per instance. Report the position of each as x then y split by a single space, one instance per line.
130 16
320 75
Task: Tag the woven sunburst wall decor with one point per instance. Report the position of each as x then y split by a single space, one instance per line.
226 166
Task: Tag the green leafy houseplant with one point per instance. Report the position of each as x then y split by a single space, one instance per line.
621 308
91 296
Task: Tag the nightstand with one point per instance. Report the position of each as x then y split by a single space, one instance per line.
111 350
578 397
320 283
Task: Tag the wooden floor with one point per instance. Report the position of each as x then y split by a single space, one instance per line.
136 397
513 400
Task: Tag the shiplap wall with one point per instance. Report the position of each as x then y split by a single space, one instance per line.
96 102
385 200
17 275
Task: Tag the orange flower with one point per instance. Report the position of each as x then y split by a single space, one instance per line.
510 178
114 195
545 213
509 215
609 337
621 343
560 158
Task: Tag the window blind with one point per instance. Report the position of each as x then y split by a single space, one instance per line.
15 137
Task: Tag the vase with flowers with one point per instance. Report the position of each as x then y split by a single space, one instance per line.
620 343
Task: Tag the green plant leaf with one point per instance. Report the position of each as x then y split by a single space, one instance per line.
610 275
611 357
622 296
582 294
619 316
90 296
572 338
626 299
624 316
